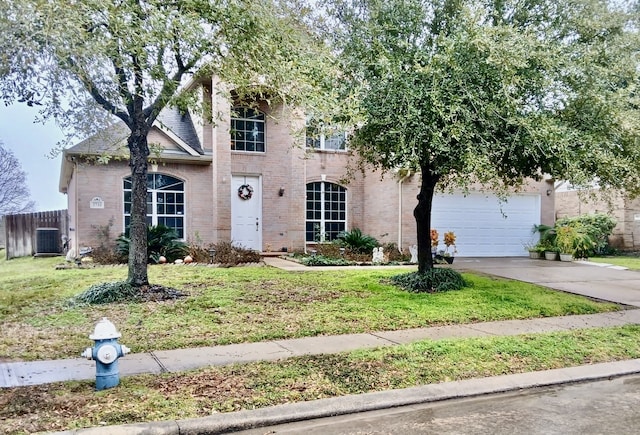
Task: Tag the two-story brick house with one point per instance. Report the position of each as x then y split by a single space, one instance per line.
253 178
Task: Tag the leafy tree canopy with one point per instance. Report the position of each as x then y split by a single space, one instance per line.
492 91
88 61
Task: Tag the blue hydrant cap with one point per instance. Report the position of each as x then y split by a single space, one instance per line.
104 330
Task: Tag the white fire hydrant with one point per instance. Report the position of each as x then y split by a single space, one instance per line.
106 352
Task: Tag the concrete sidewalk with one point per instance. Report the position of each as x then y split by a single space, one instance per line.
17 374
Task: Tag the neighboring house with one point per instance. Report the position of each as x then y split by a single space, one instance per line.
254 180
626 211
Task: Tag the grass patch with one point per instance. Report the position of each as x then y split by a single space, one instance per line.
222 389
630 262
234 305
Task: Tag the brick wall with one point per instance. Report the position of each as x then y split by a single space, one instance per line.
106 183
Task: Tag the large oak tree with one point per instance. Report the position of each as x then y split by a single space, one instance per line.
492 92
91 61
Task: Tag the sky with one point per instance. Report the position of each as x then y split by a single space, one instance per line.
31 143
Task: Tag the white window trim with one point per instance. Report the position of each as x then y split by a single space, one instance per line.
322 147
322 222
264 122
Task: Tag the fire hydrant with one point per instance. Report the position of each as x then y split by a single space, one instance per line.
106 352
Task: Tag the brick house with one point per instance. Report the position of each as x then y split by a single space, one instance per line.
198 180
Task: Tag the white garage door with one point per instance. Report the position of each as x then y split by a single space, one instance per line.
484 226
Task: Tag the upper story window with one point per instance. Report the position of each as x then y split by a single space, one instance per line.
165 202
247 130
325 138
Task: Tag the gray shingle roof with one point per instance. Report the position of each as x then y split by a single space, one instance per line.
113 139
182 126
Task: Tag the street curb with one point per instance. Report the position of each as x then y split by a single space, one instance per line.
288 413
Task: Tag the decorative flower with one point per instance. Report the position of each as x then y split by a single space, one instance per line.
450 240
434 238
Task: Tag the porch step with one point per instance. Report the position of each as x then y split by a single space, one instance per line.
272 254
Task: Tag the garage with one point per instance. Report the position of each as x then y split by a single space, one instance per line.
484 225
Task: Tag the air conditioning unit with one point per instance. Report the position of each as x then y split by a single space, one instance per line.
47 241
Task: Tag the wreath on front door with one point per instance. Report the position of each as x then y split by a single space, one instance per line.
245 192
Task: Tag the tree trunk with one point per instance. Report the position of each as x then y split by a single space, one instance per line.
422 214
139 152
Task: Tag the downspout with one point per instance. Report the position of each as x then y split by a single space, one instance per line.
74 238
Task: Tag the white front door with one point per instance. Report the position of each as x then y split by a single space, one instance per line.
246 212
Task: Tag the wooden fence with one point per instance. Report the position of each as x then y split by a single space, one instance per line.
22 231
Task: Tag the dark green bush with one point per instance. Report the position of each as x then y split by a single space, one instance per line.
433 280
357 242
107 292
597 226
162 241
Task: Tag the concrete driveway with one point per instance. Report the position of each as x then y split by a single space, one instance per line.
583 278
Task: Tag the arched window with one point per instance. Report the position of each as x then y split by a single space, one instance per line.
326 211
247 130
165 202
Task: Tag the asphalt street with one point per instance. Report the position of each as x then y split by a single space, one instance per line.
604 407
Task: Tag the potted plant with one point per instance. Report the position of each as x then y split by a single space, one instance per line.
566 237
547 240
536 251
450 243
549 249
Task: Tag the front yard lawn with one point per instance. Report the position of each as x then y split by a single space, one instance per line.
245 304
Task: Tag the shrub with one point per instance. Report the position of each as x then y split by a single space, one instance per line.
105 255
433 280
597 226
321 260
391 250
358 242
200 254
230 255
328 249
107 292
161 241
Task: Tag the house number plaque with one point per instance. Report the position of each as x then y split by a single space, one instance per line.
96 202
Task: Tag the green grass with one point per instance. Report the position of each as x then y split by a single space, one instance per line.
247 304
249 386
629 262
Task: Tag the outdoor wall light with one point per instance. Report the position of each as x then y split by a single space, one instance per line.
548 192
281 191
